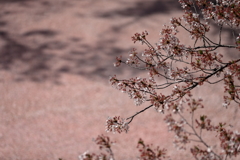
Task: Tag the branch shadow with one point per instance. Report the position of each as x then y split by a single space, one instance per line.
47 60
95 63
143 9
14 1
28 62
139 11
39 55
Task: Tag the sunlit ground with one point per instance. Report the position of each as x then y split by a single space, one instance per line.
56 57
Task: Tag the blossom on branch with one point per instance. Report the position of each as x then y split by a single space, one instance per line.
116 124
179 69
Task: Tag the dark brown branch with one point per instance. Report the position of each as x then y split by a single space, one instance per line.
131 118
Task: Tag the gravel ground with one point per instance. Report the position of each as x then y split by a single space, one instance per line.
56 57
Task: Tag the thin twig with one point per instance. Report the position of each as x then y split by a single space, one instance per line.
131 118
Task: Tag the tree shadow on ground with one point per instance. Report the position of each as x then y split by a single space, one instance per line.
25 60
13 1
139 10
143 9
29 59
46 61
39 55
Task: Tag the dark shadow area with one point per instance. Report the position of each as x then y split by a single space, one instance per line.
95 61
3 23
91 63
46 61
27 62
14 1
139 10
49 57
40 55
143 9
45 33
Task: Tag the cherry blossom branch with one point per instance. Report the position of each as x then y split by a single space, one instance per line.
198 64
195 132
132 117
214 73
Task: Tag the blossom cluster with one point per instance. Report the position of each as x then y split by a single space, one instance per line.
222 12
181 137
204 154
147 153
230 141
104 143
116 124
136 88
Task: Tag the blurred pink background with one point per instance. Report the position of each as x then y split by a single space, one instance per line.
56 57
